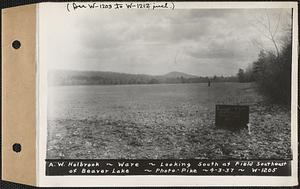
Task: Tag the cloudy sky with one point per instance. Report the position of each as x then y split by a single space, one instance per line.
202 42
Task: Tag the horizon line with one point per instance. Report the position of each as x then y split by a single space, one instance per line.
78 70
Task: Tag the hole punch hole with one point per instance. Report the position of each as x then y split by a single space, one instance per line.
16 44
17 147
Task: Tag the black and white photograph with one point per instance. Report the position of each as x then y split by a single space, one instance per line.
207 84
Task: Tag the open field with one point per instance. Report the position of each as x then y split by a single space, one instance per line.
161 121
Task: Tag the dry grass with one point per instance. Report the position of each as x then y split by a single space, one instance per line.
162 121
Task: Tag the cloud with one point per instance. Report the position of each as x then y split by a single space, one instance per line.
196 41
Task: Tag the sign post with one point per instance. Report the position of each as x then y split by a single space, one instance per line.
232 117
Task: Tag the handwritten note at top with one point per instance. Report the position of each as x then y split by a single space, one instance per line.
75 6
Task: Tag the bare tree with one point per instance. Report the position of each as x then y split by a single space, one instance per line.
268 29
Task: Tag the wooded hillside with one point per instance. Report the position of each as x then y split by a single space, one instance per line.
63 77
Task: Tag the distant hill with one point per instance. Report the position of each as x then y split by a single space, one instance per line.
178 74
69 77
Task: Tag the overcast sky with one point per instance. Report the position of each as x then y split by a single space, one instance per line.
196 41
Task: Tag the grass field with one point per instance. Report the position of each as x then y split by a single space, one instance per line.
162 121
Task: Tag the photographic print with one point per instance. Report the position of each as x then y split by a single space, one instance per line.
150 94
208 84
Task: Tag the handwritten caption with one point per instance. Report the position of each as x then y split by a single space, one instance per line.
75 6
167 167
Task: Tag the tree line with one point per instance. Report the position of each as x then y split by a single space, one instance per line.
64 77
272 69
